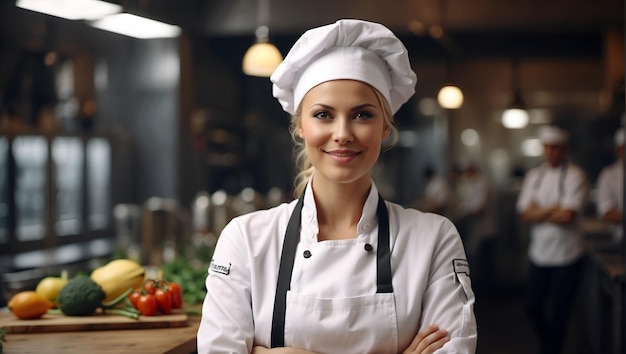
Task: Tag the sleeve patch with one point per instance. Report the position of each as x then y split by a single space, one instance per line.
461 266
219 268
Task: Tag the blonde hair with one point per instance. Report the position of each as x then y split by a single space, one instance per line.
304 167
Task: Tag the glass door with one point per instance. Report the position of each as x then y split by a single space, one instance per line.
31 158
98 183
67 155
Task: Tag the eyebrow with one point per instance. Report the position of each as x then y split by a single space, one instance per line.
359 107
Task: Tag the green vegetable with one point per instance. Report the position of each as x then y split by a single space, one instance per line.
190 275
82 296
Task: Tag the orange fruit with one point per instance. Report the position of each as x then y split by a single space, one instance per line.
27 305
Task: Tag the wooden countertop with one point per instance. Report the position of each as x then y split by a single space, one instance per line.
180 340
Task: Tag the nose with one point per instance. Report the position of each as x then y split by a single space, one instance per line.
343 130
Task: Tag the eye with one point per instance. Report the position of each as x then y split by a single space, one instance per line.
322 115
364 115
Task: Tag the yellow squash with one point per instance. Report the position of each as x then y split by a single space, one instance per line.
49 287
118 276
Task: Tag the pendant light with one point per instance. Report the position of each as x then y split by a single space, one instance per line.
450 96
516 115
262 58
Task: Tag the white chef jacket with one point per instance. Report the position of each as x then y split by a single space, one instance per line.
554 244
430 280
477 193
437 189
610 192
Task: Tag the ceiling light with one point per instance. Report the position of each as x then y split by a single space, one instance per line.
532 147
428 106
262 58
515 118
71 9
136 26
516 115
470 137
417 27
450 97
408 138
436 32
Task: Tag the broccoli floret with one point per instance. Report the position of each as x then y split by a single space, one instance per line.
81 296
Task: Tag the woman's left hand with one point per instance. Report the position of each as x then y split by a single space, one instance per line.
428 340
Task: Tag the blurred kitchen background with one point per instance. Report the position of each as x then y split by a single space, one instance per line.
145 147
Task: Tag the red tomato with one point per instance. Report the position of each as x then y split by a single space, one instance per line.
177 295
134 297
164 300
147 304
149 286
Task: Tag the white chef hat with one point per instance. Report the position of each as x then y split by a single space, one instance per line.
619 137
552 135
347 49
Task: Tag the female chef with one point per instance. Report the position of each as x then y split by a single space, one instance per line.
340 270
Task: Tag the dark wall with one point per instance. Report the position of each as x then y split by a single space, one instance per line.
137 90
258 151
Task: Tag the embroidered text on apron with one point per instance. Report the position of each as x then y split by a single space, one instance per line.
292 237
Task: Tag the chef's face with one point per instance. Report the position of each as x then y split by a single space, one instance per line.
342 124
554 153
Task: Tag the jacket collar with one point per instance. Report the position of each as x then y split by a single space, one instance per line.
366 223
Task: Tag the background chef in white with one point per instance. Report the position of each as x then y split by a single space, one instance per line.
610 191
339 270
437 195
552 199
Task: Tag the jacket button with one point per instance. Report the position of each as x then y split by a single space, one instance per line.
307 254
368 247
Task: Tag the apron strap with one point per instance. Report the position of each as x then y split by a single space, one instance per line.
383 253
288 255
285 270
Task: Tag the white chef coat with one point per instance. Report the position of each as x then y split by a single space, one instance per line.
566 185
477 194
437 190
610 193
430 280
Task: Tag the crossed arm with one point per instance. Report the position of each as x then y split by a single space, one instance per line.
554 214
425 342
614 216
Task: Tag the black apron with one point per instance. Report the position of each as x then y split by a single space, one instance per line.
290 245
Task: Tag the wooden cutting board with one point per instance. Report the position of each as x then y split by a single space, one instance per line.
96 322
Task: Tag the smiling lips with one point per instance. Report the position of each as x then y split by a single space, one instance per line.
343 156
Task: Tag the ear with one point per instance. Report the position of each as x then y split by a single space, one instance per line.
300 132
385 132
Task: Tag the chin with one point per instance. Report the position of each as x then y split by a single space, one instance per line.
346 178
